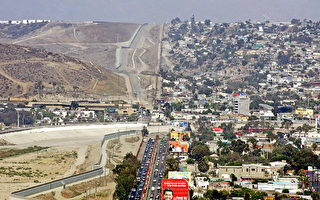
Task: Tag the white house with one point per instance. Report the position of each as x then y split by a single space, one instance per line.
202 182
15 22
292 184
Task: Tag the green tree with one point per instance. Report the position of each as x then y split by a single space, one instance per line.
190 161
125 176
315 195
285 191
303 159
314 146
227 135
212 194
233 178
239 146
203 165
133 117
247 196
200 151
172 164
283 153
304 181
121 192
253 141
144 131
185 138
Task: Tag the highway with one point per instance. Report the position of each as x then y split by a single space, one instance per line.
155 187
151 183
137 190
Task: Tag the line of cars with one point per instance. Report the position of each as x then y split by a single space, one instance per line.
137 190
158 172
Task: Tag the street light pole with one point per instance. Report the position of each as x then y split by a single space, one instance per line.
18 123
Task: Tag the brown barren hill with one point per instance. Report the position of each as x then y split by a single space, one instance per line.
92 41
31 72
93 32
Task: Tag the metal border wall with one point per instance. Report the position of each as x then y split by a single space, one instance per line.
58 183
98 170
111 136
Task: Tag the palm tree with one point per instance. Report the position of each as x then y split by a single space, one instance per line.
304 181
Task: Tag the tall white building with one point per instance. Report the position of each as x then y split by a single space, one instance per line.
241 104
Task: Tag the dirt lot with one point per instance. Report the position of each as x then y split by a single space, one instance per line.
103 187
72 150
34 168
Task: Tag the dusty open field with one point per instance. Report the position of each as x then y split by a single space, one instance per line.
103 187
60 32
73 149
34 168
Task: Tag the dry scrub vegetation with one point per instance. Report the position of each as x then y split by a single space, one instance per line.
30 72
32 166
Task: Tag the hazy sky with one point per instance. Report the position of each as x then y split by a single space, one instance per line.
160 11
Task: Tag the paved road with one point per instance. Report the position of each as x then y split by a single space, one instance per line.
136 192
155 191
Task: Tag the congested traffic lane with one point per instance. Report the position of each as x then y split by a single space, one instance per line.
137 190
158 170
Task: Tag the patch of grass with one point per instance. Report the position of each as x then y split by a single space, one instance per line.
78 189
132 139
5 153
103 193
20 171
49 196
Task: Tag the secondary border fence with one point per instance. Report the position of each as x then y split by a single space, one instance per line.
109 137
98 170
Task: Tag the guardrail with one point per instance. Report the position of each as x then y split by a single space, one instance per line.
98 170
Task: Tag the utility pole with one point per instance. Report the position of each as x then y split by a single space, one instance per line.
18 123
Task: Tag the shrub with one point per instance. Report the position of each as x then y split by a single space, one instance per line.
190 161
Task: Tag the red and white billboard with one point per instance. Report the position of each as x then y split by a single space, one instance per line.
175 189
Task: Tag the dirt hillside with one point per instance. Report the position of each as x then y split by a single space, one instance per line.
26 71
